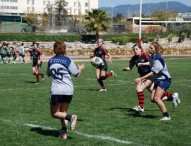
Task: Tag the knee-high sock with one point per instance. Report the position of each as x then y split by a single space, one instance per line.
169 96
37 77
141 98
101 83
108 75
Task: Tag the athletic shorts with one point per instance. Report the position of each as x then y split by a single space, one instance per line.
22 55
35 63
59 99
163 84
103 66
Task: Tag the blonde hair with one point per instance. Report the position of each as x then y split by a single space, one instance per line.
158 48
59 48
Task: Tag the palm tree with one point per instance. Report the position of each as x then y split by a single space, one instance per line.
97 21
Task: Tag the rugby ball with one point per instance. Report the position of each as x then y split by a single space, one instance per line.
96 61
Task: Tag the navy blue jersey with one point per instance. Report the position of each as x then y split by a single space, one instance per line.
159 68
101 52
35 54
60 68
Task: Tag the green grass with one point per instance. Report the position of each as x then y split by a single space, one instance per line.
105 119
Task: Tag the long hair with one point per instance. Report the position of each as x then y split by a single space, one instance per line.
158 48
59 48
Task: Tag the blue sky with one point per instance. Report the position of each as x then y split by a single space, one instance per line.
108 3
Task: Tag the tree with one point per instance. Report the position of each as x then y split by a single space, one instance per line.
44 21
97 20
60 11
164 15
118 18
32 20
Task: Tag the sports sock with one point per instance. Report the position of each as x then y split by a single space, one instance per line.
166 114
169 96
68 117
141 97
37 77
108 75
101 83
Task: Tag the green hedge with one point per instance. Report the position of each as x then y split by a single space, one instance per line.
41 38
121 39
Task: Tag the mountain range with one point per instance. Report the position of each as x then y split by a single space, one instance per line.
147 8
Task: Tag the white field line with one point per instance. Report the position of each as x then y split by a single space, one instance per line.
17 74
17 89
84 135
104 138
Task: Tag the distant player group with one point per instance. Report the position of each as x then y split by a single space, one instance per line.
152 68
10 52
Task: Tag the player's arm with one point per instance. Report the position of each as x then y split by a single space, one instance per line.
131 65
144 63
137 80
110 57
41 56
126 68
80 68
147 59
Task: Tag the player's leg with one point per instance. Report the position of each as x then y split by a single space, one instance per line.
161 88
100 76
140 94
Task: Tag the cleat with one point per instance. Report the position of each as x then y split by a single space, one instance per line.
103 90
113 74
36 83
63 134
176 100
42 75
138 109
73 122
164 118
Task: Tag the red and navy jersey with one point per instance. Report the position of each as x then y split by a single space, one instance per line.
35 54
101 52
143 69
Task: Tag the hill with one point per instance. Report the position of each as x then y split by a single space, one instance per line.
147 9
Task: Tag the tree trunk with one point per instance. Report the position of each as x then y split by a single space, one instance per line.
97 35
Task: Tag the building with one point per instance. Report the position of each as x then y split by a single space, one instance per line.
74 7
185 16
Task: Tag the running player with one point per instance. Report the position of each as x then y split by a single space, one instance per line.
36 57
161 78
143 62
101 74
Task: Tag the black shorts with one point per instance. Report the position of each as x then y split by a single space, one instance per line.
22 55
35 63
59 99
103 66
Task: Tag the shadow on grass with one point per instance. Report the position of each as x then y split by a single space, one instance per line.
89 89
31 82
138 114
45 132
133 113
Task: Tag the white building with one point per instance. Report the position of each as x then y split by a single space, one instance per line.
74 7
